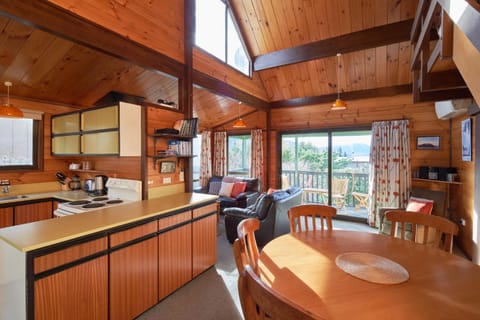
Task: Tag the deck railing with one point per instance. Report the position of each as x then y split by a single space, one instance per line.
357 182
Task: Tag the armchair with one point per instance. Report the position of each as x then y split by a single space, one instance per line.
270 209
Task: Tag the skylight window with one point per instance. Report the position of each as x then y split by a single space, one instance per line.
216 33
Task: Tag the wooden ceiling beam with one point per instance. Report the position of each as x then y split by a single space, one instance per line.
52 19
221 88
352 95
360 40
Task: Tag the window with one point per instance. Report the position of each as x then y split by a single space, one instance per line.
216 33
239 149
196 150
19 143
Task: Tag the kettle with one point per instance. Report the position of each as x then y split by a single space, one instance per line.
89 185
75 183
100 185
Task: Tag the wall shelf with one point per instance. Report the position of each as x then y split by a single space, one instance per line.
436 181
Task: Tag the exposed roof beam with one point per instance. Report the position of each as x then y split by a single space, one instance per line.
48 17
360 40
352 95
219 87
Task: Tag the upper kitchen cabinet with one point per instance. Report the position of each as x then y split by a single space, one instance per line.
112 130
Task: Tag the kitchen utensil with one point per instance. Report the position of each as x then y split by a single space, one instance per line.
100 184
87 165
75 183
60 177
74 166
89 185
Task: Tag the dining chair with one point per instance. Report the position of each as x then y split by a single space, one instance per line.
304 216
259 301
245 247
421 225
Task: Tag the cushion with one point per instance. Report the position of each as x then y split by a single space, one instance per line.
259 198
229 179
214 187
271 190
420 205
226 189
263 206
238 187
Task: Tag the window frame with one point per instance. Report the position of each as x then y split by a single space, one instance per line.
37 148
236 173
229 11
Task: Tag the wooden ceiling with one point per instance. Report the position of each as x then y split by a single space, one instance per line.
300 39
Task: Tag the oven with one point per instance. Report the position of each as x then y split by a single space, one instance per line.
120 191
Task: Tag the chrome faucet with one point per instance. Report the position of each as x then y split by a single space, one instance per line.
6 185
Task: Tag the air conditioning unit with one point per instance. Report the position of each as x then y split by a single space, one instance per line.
451 108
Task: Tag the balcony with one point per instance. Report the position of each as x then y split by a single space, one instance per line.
354 203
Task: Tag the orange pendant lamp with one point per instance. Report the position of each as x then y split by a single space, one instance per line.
8 110
239 123
339 104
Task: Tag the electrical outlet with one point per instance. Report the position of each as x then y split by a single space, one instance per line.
150 182
463 222
167 180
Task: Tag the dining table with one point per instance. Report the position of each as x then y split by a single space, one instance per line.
339 274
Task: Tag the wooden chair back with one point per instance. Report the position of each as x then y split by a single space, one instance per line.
259 301
247 247
304 216
422 225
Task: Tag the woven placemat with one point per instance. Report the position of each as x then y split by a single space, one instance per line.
372 268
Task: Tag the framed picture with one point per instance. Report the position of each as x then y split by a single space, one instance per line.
167 167
428 143
467 140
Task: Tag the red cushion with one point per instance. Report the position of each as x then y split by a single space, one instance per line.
238 187
271 190
420 205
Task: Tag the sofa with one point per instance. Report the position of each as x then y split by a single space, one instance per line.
242 194
272 211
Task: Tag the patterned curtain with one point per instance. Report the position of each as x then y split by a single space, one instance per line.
206 158
389 184
220 153
256 165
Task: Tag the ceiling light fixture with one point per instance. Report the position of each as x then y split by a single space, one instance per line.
339 104
7 110
239 123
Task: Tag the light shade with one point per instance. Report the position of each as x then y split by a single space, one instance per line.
239 123
339 105
10 111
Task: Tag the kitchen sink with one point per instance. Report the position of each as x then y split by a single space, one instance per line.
6 198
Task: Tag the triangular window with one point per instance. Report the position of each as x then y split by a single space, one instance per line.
217 34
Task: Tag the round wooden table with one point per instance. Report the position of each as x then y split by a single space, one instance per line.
302 268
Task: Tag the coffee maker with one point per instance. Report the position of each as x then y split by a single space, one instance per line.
100 185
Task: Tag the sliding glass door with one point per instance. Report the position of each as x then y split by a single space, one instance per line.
331 167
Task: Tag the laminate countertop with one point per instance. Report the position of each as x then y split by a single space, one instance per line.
36 235
10 199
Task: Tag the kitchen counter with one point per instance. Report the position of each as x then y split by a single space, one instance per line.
36 235
59 195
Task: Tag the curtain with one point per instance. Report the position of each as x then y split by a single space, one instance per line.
256 165
206 158
389 184
220 153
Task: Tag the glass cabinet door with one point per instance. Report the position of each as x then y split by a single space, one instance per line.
66 123
100 119
66 145
100 143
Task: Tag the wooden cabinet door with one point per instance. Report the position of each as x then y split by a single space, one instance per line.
26 213
204 242
133 272
6 217
79 292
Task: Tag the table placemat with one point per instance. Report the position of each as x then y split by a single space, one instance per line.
372 268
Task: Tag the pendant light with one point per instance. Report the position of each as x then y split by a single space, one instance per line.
239 123
339 104
7 110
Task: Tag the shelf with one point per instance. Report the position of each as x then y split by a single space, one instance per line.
156 158
89 171
171 136
436 181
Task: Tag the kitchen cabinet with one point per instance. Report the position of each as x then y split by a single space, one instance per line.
78 292
174 253
133 271
204 238
26 213
111 130
6 217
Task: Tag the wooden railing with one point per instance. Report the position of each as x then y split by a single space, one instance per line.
358 182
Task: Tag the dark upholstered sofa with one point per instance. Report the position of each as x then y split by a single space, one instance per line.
241 200
270 209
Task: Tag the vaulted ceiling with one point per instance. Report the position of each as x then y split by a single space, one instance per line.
293 46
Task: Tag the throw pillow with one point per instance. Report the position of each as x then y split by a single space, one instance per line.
229 179
226 189
420 205
271 190
214 187
238 187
